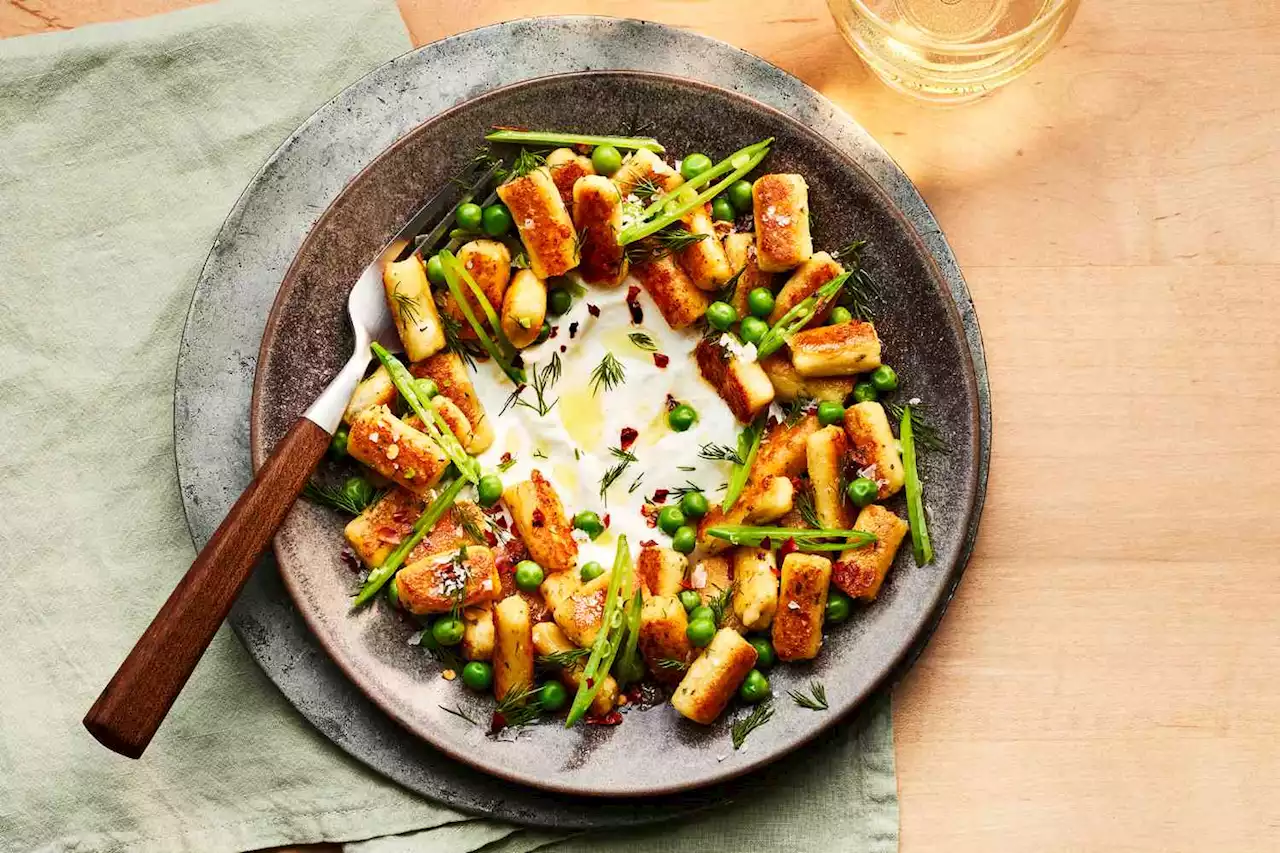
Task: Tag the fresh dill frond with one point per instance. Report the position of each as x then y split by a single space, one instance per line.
457 712
815 702
720 605
635 485
796 409
526 161
453 340
624 455
679 492
521 260
539 454
543 379
407 306
564 659
338 499
730 287
642 341
860 291
685 468
579 239
804 505
719 453
518 706
468 524
851 253
625 458
926 435
646 188
668 241
671 663
759 715
609 374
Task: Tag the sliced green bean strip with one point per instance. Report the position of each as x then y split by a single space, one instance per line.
630 668
451 269
434 512
485 306
738 479
725 165
806 538
920 543
551 137
605 647
799 316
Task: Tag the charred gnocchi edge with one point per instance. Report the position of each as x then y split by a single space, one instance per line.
540 520
543 222
548 639
579 614
376 389
395 450
772 502
489 263
860 572
597 214
789 385
839 350
804 282
872 444
742 384
513 647
567 167
740 249
802 600
440 582
705 261
782 221
663 641
450 375
826 451
645 165
679 301
661 570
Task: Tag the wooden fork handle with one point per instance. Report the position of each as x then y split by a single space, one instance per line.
139 695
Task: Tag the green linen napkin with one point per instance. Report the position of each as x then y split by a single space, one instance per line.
121 149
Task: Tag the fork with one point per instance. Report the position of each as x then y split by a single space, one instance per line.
135 701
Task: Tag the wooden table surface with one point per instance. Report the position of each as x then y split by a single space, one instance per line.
1107 677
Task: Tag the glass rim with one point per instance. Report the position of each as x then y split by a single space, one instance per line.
1034 28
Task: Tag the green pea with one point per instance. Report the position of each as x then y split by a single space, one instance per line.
755 687
701 611
590 571
700 632
670 519
721 209
830 413
684 539
496 219
426 388
689 600
753 329
885 378
544 332
760 302
839 315
435 270
559 301
529 576
766 657
448 630
489 489
681 417
838 607
694 165
469 217
589 523
552 696
358 491
720 315
477 675
338 444
740 197
606 160
694 504
393 593
863 491
865 392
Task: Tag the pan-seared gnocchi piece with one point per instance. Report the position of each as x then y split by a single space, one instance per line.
782 221
375 532
680 302
827 450
524 308
540 520
512 648
811 275
789 385
645 167
861 571
740 249
451 415
413 308
802 603
566 167
439 582
579 614
376 389
714 677
711 576
543 222
597 213
772 502
705 261
755 589
488 262
395 450
838 350
548 639
742 384
661 570
477 634
558 586
663 642
873 446
449 373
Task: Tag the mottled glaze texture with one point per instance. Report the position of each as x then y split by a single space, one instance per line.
927 324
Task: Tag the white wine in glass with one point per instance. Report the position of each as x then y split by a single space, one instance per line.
951 51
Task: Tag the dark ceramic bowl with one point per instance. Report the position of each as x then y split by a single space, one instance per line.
654 751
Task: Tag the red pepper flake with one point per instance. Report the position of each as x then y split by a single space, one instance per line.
635 694
660 496
593 310
506 458
686 583
498 723
491 538
349 558
563 348
539 519
628 437
633 303
573 330
648 543
555 330
772 422
612 718
606 519
661 360
501 521
650 513
672 402
766 543
788 547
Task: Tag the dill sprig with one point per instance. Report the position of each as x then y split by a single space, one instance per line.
468 524
609 373
454 342
668 241
678 492
719 453
457 712
526 161
338 499
804 505
730 287
443 655
564 659
759 715
520 260
408 306
816 702
646 188
671 663
625 458
635 484
861 291
543 379
579 240
642 341
720 605
796 409
926 435
518 706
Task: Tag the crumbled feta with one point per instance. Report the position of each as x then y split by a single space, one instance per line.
793 605
740 351
393 450
580 536
782 220
869 472
373 436
698 577
914 401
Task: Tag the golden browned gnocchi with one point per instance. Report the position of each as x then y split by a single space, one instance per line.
543 221
714 677
524 307
802 600
782 222
395 450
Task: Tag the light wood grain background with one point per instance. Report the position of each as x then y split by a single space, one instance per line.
1107 678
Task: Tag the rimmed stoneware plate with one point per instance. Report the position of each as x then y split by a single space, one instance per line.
925 320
